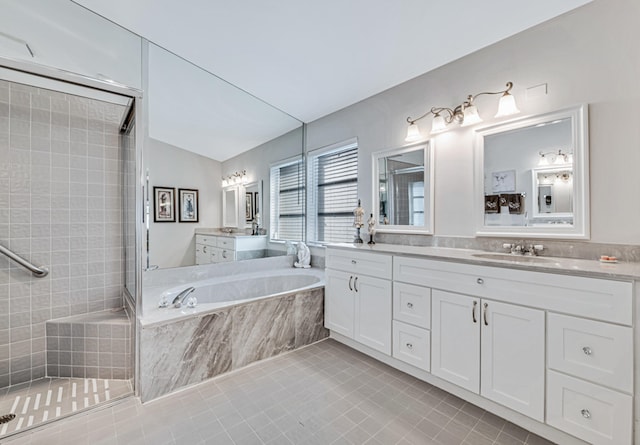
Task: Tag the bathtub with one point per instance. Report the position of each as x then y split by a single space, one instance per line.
217 292
240 318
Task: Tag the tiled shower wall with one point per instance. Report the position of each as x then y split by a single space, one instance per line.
60 206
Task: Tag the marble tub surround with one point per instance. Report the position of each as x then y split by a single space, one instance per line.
188 351
579 267
554 248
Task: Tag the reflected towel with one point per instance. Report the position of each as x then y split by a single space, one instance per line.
515 202
492 204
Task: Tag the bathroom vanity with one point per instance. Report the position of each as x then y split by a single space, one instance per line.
547 343
214 246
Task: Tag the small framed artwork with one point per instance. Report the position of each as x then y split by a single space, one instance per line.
256 204
164 203
188 199
249 212
503 181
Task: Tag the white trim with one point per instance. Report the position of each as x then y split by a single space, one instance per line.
338 146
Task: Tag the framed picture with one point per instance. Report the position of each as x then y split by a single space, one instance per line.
164 204
249 209
256 204
503 181
188 199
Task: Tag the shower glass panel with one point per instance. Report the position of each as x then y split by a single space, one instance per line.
65 339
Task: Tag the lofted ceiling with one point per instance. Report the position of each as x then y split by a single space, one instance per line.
311 58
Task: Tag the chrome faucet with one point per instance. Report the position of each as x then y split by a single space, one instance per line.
522 249
182 296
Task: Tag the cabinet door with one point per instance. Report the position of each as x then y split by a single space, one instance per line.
339 302
373 312
455 339
513 363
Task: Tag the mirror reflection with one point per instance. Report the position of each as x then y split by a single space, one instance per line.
534 175
403 189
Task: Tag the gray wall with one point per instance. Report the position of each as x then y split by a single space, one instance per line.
60 205
589 55
172 244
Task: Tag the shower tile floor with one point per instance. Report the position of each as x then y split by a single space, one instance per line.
46 399
322 394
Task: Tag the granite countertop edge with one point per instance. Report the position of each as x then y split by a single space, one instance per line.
566 266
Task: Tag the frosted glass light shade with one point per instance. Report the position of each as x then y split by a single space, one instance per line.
438 125
413 133
471 116
507 106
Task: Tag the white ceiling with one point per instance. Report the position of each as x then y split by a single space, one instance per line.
311 58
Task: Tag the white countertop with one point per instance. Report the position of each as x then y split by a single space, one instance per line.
588 268
218 232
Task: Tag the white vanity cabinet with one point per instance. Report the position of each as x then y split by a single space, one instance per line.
358 297
224 248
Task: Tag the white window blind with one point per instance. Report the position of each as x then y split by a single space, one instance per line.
287 201
333 194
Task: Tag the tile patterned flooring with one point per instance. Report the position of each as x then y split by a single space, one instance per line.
46 399
323 394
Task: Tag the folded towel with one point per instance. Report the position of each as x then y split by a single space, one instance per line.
515 202
491 204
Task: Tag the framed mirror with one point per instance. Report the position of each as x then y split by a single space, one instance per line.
403 189
532 176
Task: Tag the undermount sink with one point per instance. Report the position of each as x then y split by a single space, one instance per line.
509 257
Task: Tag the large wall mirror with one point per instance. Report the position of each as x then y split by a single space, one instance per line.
532 176
403 189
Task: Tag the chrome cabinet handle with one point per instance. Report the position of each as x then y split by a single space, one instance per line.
353 261
473 312
480 281
350 279
224 254
204 249
587 350
355 284
585 413
409 346
486 323
410 305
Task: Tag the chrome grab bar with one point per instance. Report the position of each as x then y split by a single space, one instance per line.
39 272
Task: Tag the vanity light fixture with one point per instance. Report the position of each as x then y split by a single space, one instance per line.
555 158
235 178
464 114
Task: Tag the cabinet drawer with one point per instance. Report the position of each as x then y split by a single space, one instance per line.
412 304
226 243
605 300
362 263
596 351
412 345
593 413
224 255
206 240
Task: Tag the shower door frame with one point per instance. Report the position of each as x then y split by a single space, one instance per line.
136 95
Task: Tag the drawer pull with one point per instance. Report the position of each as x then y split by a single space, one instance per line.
587 350
585 413
350 279
353 261
204 249
355 284
486 323
410 305
224 254
409 346
480 281
473 312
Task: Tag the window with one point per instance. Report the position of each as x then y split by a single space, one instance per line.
287 201
333 193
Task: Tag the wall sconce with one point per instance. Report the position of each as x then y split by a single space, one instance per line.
464 114
555 158
235 178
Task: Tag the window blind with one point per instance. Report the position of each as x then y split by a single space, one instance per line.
287 201
333 178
